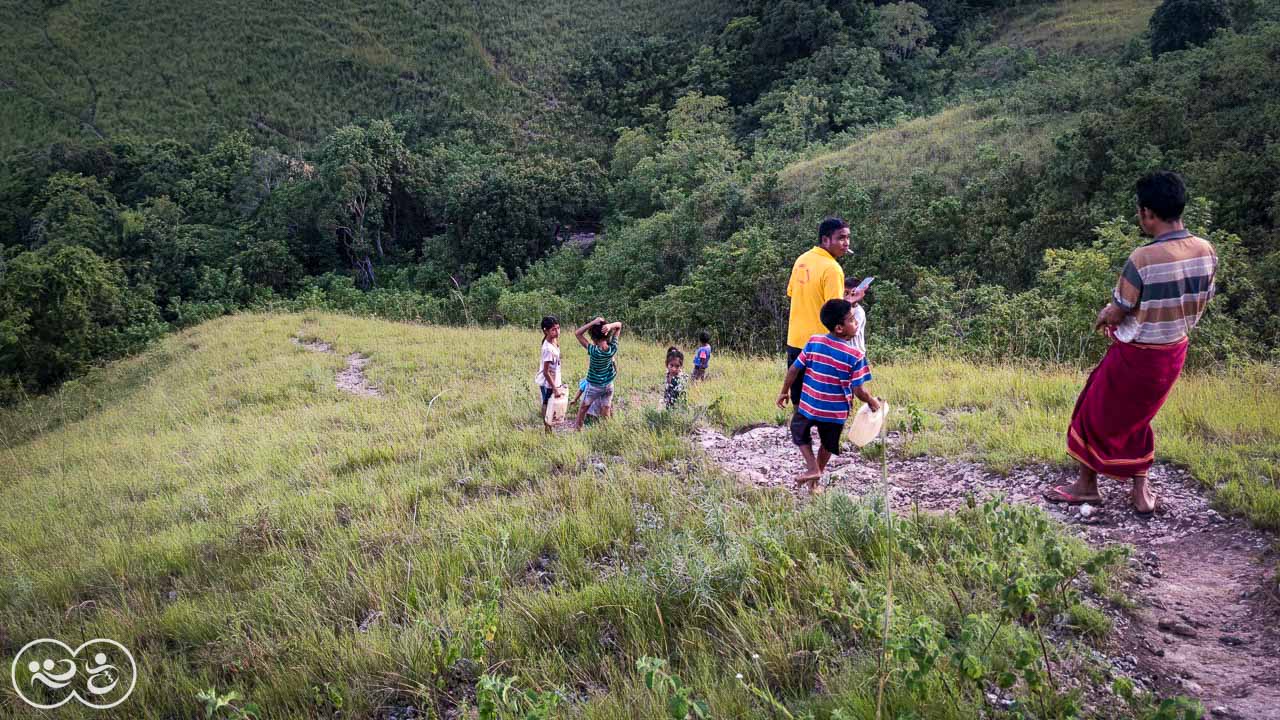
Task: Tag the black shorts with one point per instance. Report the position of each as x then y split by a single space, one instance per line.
699 373
798 385
828 432
546 395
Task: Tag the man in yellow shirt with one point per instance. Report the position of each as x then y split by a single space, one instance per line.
816 278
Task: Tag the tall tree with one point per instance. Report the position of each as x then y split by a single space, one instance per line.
358 168
1179 24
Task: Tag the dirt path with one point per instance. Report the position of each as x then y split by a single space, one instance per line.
351 379
1205 627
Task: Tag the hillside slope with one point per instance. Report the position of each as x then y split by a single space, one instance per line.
242 523
1078 27
292 71
951 147
958 144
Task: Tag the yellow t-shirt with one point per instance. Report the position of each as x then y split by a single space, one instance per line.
815 278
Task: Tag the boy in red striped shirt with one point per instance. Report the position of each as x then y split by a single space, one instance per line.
834 372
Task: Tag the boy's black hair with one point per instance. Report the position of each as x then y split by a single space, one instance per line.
850 282
1163 193
549 322
834 312
829 226
597 332
674 352
704 337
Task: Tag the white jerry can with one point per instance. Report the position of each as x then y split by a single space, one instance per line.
557 407
866 424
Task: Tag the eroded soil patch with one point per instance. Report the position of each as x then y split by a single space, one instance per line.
350 379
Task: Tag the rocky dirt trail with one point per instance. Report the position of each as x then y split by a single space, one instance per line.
1206 624
352 378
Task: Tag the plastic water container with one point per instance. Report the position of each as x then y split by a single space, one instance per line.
866 425
557 407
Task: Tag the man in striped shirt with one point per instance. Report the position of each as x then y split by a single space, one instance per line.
1163 289
1159 298
834 371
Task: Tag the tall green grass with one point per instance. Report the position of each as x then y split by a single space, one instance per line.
219 507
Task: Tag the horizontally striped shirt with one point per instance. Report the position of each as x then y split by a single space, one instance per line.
1165 286
600 368
832 369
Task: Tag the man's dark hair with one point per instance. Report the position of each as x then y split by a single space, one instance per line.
596 332
1163 193
549 322
829 226
834 312
704 337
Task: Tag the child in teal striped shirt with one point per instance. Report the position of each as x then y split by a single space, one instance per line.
601 349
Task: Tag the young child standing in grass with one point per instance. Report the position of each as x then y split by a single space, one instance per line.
677 385
601 349
548 375
702 357
582 389
834 371
591 412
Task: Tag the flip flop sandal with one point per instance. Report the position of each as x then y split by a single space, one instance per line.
1060 495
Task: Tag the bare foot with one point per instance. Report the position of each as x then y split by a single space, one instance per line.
809 478
1144 501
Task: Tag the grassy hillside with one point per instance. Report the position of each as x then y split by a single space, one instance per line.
537 40
952 146
291 71
960 143
1077 27
221 508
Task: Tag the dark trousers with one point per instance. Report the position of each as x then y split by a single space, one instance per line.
792 354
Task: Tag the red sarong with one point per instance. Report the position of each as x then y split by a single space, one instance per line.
1110 428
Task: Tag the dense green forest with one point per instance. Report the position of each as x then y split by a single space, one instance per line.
490 162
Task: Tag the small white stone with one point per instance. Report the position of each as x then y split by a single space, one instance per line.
1086 510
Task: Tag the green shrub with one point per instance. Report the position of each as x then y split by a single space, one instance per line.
61 308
